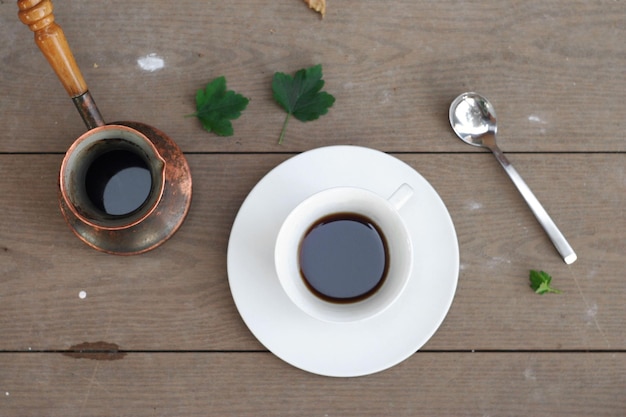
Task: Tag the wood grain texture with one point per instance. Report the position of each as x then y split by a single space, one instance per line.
257 384
177 297
553 69
164 324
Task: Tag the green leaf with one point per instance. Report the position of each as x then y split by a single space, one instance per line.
540 282
216 107
301 95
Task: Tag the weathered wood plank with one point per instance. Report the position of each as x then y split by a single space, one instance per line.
177 297
258 384
554 70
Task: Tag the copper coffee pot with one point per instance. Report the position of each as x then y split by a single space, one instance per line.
156 211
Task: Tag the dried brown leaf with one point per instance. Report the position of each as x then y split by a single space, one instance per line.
317 5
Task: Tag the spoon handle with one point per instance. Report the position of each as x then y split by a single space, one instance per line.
555 235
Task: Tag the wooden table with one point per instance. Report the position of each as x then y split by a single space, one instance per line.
160 333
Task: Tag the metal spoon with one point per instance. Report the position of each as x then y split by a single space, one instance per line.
473 119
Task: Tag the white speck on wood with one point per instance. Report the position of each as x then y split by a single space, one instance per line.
151 62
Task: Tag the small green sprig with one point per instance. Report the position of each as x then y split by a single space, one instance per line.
216 107
540 282
301 95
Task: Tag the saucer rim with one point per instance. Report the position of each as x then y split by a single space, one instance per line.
257 315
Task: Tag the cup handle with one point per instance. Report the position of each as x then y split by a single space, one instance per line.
401 196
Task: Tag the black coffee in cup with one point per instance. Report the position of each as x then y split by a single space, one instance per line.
118 181
344 258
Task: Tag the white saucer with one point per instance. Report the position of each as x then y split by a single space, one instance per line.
341 349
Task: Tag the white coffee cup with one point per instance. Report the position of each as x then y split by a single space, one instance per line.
383 213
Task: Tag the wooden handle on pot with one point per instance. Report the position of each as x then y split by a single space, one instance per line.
37 15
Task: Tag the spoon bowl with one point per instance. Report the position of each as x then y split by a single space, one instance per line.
473 119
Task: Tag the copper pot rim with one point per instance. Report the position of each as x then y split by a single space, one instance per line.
134 219
163 220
